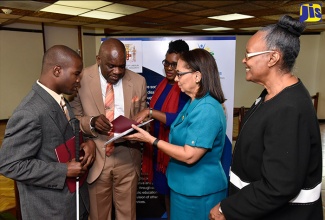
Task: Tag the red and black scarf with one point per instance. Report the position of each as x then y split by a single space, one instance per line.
170 105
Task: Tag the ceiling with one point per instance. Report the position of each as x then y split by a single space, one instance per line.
165 17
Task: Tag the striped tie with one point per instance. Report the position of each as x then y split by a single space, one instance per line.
109 102
64 108
109 113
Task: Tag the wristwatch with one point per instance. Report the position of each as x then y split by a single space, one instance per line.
92 127
150 112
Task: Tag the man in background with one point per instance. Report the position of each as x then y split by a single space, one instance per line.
107 91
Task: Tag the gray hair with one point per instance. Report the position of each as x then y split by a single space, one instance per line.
284 37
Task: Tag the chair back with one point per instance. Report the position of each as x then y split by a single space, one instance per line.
315 100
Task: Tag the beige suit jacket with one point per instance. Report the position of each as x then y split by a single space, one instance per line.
89 102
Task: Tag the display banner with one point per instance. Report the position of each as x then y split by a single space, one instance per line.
144 56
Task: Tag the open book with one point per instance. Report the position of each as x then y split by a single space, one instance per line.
123 126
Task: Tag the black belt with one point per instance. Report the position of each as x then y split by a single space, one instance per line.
135 145
124 143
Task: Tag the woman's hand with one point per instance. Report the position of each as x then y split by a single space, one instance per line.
141 135
141 115
215 214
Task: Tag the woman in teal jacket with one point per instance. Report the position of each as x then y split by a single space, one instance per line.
196 140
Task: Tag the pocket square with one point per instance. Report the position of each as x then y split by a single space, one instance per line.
135 99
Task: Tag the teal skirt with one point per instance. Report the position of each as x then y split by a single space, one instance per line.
193 207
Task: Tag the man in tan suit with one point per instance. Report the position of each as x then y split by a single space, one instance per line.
116 170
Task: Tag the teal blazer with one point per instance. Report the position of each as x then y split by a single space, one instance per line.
201 123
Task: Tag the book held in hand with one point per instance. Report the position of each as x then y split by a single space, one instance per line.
123 126
66 152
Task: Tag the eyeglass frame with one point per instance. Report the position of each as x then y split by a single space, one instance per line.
179 74
253 54
173 64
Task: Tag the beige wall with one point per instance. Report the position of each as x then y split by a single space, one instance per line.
20 65
89 50
21 52
91 46
308 68
55 35
320 76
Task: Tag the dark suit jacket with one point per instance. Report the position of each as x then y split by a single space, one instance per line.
36 128
89 102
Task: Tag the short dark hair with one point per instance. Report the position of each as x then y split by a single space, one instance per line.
58 55
177 46
284 36
202 61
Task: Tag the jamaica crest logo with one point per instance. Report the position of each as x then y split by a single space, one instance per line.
202 46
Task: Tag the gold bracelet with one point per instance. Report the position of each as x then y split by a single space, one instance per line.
150 112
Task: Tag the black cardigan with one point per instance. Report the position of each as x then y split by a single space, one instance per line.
277 154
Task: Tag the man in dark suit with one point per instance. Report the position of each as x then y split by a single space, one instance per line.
36 128
115 173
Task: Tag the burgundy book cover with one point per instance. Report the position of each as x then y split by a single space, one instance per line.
122 123
64 156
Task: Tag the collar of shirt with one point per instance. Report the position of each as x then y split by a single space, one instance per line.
56 96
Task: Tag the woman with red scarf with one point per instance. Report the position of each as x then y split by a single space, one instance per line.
166 102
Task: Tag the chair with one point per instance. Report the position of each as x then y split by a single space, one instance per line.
239 114
315 100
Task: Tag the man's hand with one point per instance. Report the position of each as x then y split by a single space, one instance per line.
75 169
89 147
101 124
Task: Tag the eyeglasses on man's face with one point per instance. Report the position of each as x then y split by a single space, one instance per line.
173 65
179 74
250 55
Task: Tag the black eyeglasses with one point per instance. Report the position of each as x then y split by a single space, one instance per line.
179 74
168 64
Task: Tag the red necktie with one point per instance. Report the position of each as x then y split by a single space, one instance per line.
109 112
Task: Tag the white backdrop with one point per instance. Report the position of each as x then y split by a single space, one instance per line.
150 51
